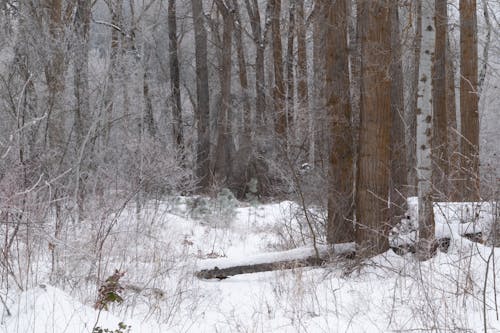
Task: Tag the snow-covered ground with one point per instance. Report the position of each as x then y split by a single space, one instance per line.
161 248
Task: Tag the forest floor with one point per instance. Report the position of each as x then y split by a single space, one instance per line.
161 247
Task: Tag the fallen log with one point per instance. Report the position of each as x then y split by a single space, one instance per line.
224 273
302 257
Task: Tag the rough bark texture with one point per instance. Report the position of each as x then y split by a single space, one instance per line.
424 133
340 228
399 170
469 112
202 97
373 225
175 92
439 99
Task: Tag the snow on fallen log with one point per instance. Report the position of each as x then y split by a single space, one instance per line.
222 268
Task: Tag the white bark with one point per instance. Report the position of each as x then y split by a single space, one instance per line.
424 128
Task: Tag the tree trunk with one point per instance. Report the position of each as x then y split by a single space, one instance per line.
373 222
453 132
260 41
411 115
318 150
290 78
82 95
440 106
202 97
175 90
399 170
243 76
426 224
302 84
340 227
469 112
223 155
280 124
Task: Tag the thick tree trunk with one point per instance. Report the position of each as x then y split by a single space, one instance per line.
399 170
373 222
426 224
469 98
175 90
340 227
202 97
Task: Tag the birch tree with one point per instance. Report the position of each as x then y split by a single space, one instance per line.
424 132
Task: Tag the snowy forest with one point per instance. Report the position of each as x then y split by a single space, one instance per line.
249 166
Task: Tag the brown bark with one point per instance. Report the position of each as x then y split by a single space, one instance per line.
372 228
469 112
399 170
340 227
175 91
439 98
